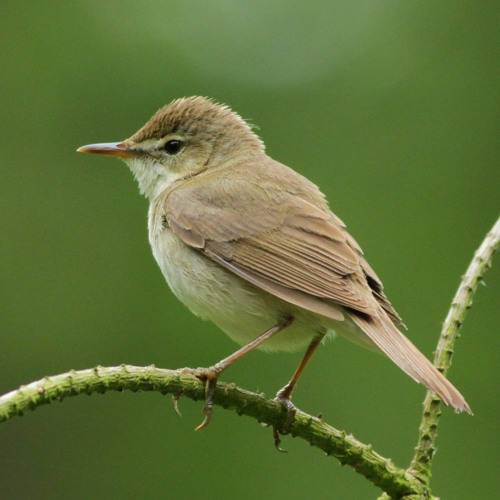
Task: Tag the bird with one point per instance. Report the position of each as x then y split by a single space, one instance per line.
252 245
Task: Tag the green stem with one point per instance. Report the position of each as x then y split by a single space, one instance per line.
397 483
379 470
424 451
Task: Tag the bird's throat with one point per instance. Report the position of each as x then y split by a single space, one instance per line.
153 178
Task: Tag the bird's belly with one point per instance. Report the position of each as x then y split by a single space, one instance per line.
237 307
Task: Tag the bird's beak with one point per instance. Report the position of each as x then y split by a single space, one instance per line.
109 149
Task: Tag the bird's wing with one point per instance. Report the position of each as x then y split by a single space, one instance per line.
280 242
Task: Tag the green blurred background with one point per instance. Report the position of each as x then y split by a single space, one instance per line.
390 106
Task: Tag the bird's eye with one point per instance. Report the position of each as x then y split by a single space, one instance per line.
173 146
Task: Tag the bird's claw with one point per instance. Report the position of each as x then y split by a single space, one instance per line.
210 377
210 384
283 398
175 403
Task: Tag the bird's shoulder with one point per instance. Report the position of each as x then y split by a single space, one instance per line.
259 193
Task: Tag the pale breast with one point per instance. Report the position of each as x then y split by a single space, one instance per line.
211 292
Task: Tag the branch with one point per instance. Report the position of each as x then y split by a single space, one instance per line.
424 451
396 482
379 470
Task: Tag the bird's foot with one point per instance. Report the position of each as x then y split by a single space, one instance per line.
210 377
283 397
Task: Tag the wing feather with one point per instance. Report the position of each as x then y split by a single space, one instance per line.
286 240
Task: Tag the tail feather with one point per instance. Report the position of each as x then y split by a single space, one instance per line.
401 351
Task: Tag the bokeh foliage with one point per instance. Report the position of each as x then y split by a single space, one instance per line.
390 106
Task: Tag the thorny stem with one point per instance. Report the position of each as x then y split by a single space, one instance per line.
348 450
395 482
462 301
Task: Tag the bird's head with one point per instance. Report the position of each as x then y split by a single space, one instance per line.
181 140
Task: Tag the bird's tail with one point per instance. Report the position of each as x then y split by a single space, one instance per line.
399 349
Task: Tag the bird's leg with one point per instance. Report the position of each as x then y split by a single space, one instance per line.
211 375
284 395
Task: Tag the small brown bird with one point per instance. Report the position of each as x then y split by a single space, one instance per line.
252 245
